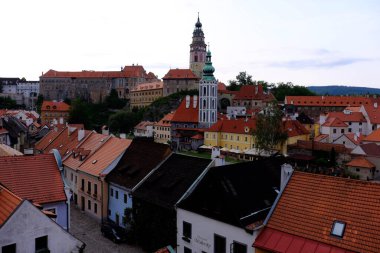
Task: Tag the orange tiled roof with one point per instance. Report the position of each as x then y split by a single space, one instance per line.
361 162
334 122
255 92
351 117
36 178
238 126
8 203
143 124
373 113
180 74
184 114
374 136
104 156
221 86
294 128
311 203
326 101
353 108
321 137
165 121
148 86
46 140
55 106
356 140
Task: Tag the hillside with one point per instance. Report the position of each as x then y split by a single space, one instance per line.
343 90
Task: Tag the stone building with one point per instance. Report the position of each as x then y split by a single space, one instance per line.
92 85
145 93
179 79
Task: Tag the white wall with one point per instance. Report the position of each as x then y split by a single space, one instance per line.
28 223
203 230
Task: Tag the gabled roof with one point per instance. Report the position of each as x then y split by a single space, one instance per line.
143 124
238 126
360 162
132 167
321 137
36 178
8 204
326 101
374 136
165 121
334 122
347 117
311 203
5 150
370 149
180 74
294 128
169 182
96 163
55 106
373 113
247 188
184 114
354 138
221 86
255 92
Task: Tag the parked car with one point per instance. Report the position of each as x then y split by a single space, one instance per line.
113 232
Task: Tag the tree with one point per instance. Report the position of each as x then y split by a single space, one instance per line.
113 101
269 131
79 113
7 103
123 121
288 89
241 79
40 100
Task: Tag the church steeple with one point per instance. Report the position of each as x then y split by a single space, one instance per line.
198 49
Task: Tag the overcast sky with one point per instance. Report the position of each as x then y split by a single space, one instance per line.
306 42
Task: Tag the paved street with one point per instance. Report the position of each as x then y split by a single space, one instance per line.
88 230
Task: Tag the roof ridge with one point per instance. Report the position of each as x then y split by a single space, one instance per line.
96 150
338 178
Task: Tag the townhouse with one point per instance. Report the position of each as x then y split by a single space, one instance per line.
145 93
53 112
161 129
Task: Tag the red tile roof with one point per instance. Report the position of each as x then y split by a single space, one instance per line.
326 101
36 178
47 139
360 162
221 86
143 124
347 117
238 126
373 137
276 241
255 92
197 137
373 113
334 122
311 203
55 106
104 156
180 74
165 121
321 137
339 148
184 114
294 128
354 138
8 203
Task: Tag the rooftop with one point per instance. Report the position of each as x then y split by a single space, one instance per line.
180 74
255 92
55 106
189 114
361 162
238 126
8 204
148 86
327 101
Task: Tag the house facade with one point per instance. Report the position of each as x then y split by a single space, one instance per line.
161 129
145 93
54 112
177 80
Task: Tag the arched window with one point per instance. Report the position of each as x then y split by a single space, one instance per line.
204 103
204 91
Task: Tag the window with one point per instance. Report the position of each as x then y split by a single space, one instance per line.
239 247
349 130
338 228
111 192
95 189
11 248
76 179
219 244
125 198
89 204
89 187
117 219
360 123
186 250
186 229
95 208
334 131
246 139
357 169
42 243
342 131
109 212
117 194
82 185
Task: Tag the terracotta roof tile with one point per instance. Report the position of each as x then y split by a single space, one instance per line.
143 124
294 128
339 148
104 156
373 137
334 122
354 138
180 74
321 137
46 140
347 117
373 113
326 101
361 162
255 92
311 203
165 121
8 203
184 114
55 106
239 126
36 178
221 86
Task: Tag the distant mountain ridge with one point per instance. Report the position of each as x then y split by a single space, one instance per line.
335 90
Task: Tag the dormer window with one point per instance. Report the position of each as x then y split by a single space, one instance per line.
338 228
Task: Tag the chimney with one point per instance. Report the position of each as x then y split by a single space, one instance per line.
123 136
286 173
80 134
375 105
217 157
105 130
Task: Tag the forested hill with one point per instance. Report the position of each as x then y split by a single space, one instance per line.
343 90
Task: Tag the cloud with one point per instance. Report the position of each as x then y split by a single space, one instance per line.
317 63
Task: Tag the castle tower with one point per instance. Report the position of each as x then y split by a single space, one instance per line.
208 95
198 50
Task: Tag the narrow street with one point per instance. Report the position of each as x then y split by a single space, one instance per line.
88 230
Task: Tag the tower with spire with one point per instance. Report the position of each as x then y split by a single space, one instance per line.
198 50
208 94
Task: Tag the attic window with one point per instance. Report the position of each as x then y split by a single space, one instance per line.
338 228
93 162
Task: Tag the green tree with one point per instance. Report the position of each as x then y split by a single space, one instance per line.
8 103
123 121
79 113
40 100
281 90
269 131
241 79
113 101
